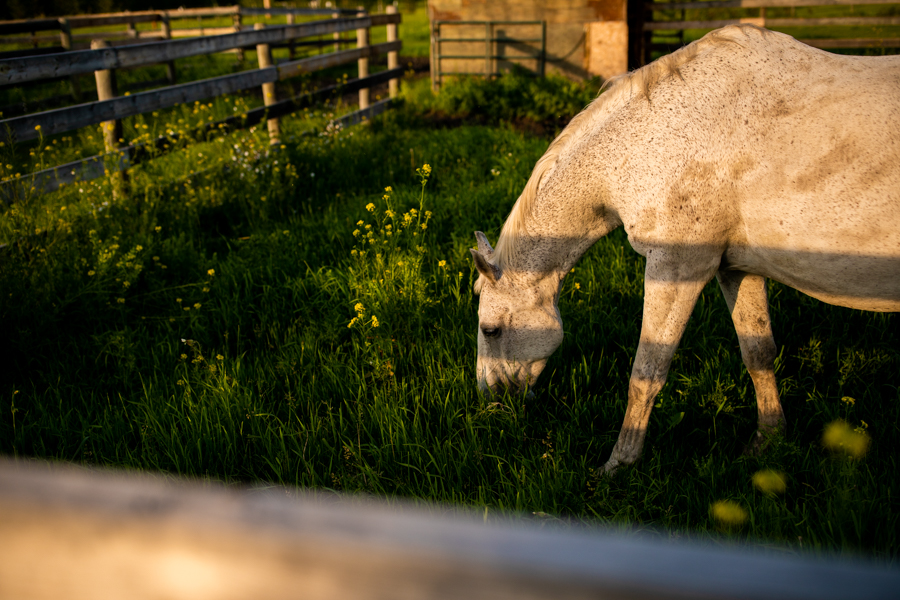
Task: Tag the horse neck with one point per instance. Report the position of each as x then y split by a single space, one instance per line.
564 223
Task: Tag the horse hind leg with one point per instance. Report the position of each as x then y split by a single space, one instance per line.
747 301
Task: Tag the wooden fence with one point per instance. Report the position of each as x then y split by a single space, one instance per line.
664 23
78 534
161 22
109 109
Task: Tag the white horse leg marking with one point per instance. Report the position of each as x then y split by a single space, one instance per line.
667 307
746 297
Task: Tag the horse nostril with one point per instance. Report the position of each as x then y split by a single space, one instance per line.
490 331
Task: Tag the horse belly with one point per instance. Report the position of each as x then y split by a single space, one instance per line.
848 257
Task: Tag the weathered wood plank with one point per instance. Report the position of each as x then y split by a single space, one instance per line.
660 25
363 114
16 71
297 11
333 59
140 536
116 19
760 4
198 31
764 22
66 119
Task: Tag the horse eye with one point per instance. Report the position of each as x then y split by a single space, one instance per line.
490 332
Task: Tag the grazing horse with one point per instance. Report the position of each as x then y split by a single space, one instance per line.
742 156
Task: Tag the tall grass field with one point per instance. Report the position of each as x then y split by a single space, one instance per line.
303 314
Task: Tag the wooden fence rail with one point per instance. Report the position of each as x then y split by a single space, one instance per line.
659 18
75 533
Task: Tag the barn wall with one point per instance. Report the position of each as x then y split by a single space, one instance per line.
584 37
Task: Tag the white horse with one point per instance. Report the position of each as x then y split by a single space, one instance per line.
742 156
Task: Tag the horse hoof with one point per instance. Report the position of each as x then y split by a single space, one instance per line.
609 469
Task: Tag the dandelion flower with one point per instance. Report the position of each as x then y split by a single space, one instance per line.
839 436
729 513
770 482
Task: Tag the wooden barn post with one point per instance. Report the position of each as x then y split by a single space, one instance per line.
264 55
362 41
393 60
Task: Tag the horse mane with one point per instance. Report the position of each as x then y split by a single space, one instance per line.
617 89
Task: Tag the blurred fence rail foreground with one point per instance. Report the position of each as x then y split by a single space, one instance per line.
73 533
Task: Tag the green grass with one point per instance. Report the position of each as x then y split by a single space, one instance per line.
200 326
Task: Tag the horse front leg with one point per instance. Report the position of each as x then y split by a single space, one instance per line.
669 299
748 303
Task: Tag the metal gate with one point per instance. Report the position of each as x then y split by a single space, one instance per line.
490 51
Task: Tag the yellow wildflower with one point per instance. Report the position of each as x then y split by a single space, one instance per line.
839 436
370 207
770 482
211 272
729 513
374 321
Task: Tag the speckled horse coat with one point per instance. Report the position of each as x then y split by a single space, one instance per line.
742 156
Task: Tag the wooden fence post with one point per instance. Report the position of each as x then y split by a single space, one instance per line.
291 47
336 36
264 55
65 40
167 35
362 41
112 130
393 60
236 21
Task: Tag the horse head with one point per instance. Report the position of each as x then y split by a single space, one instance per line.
519 326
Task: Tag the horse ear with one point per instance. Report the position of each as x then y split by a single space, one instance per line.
484 246
487 270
